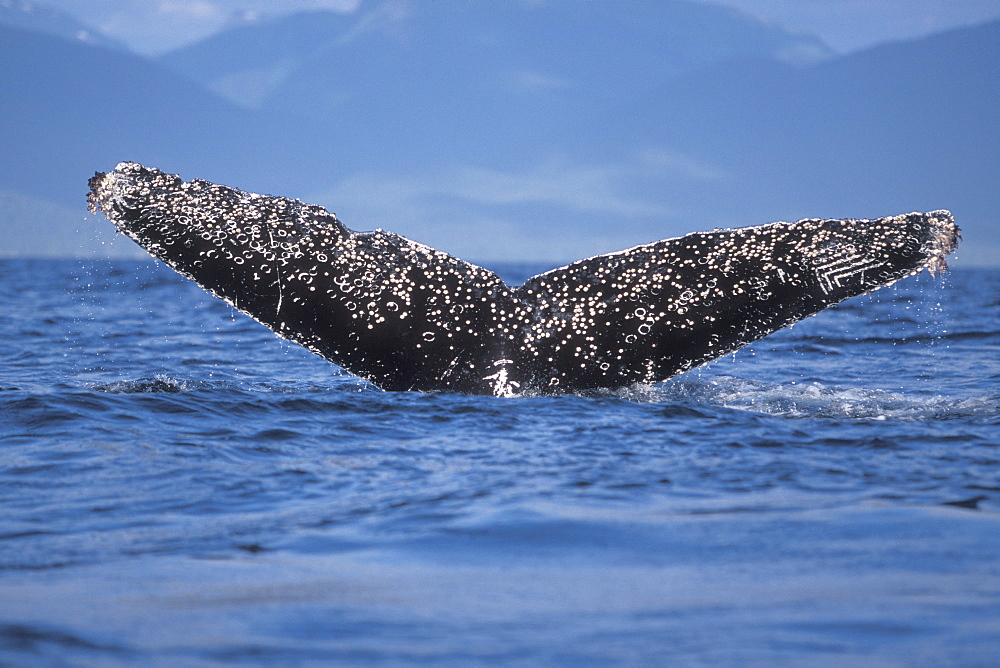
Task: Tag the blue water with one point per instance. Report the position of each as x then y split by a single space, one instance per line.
180 487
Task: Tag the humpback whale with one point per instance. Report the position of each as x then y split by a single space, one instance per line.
407 317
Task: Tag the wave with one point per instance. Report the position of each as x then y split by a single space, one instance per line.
170 384
797 399
813 399
159 383
696 395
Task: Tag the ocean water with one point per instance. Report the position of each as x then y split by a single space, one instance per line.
180 487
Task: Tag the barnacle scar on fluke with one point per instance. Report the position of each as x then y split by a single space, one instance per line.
408 317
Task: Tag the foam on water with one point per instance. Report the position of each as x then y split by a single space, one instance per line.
815 399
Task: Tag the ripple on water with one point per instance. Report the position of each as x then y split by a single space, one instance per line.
222 452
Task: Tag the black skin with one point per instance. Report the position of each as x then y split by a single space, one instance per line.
407 317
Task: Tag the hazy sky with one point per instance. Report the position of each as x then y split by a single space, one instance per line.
155 26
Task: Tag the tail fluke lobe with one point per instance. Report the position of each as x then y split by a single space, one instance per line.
408 317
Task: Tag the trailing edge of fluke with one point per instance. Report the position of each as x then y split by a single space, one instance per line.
407 317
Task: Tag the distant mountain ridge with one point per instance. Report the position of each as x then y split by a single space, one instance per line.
74 106
910 124
331 55
474 81
71 108
542 157
42 18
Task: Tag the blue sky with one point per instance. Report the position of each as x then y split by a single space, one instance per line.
155 26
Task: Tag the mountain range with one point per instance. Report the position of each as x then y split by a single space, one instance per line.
539 131
52 21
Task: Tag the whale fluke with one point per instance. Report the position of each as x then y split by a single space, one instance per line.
407 317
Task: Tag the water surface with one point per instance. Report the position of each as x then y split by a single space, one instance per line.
179 486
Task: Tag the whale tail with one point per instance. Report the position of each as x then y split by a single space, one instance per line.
408 317
650 312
